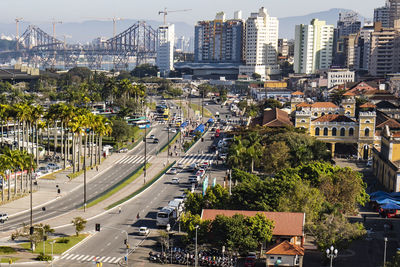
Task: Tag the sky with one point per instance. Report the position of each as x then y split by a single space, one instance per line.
80 10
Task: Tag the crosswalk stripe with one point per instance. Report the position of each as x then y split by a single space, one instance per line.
79 258
138 160
102 259
106 259
87 257
120 160
123 159
74 257
63 256
115 260
70 256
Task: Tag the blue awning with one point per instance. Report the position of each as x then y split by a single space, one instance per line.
390 206
210 120
184 124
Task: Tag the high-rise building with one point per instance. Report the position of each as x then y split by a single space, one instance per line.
348 23
385 50
313 47
363 47
219 40
261 47
283 47
394 11
381 14
165 48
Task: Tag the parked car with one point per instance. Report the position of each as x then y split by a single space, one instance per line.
144 230
180 165
250 260
3 217
172 130
43 169
175 180
155 141
152 136
52 166
173 171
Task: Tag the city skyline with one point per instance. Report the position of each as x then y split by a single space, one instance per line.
76 11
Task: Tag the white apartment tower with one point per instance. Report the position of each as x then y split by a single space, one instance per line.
313 47
261 47
165 49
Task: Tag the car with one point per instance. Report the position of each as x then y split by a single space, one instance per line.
155 141
3 217
180 165
173 171
175 180
53 166
194 179
250 260
43 169
143 230
172 130
123 150
152 136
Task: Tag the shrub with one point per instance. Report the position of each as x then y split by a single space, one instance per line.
43 257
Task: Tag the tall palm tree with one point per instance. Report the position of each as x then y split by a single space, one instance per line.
36 113
3 119
5 164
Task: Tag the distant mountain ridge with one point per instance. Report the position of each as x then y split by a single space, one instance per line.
86 31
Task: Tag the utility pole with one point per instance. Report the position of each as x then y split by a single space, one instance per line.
31 198
17 20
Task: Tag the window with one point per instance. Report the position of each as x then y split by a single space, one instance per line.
351 132
367 122
323 113
279 258
342 132
303 120
272 257
325 131
315 114
317 131
366 132
334 131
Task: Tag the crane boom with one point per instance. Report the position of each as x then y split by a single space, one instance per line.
165 13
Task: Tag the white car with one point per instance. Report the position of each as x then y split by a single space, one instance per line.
152 136
172 130
3 217
144 230
175 180
173 171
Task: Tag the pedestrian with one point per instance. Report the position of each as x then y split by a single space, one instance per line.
138 216
97 168
119 209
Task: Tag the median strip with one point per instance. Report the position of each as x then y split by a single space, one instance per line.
140 190
171 142
119 186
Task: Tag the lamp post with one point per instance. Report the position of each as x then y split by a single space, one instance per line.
384 252
168 229
196 255
145 146
52 243
331 253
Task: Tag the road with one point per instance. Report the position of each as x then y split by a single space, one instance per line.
95 187
107 245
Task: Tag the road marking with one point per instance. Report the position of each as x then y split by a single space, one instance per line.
74 257
87 257
79 258
108 244
101 259
106 259
70 256
114 260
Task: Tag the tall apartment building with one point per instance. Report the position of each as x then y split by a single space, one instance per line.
381 14
313 47
348 23
219 40
362 48
165 48
394 11
261 48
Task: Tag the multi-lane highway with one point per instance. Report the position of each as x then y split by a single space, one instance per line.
95 187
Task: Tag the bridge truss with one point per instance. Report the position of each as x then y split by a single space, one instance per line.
39 48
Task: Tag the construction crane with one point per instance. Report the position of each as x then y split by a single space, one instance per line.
114 20
17 21
54 22
166 12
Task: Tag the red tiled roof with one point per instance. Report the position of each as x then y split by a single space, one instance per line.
286 248
348 93
303 105
286 223
298 93
396 134
276 118
333 118
368 105
382 120
323 105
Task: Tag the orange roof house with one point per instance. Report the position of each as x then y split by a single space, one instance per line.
368 105
286 248
286 254
333 118
273 118
288 225
323 105
297 93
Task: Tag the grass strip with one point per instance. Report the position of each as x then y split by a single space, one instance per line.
152 181
185 112
6 250
118 187
196 107
171 141
7 260
61 244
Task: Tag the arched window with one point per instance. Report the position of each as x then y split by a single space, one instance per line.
367 122
323 113
315 114
348 106
342 132
348 113
317 131
366 132
351 132
303 120
334 131
330 112
336 112
325 131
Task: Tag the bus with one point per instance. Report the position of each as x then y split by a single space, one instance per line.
141 122
166 114
165 216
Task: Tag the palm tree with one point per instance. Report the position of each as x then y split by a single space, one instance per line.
3 118
36 113
5 164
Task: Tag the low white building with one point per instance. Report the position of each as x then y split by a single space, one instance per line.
285 254
339 77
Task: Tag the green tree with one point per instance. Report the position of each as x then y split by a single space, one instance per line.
144 70
275 157
272 103
256 76
120 130
79 224
395 262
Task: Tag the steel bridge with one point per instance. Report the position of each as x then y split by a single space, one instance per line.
38 48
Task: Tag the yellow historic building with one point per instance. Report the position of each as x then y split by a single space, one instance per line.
347 133
386 161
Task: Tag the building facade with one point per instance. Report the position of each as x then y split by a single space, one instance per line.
394 12
348 23
381 14
165 49
313 47
219 40
339 77
261 47
337 125
362 48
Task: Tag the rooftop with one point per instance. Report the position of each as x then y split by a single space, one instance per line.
286 248
286 223
368 105
333 118
298 93
276 118
323 105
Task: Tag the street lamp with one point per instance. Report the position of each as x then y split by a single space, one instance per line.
384 252
52 243
195 250
331 253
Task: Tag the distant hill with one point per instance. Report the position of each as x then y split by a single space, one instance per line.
287 25
83 32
